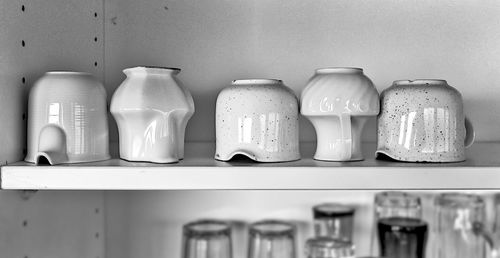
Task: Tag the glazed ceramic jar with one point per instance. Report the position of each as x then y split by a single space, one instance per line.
423 121
257 118
338 101
67 119
152 109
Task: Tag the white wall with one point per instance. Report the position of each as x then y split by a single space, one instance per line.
217 41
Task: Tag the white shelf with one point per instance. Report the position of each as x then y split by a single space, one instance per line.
200 171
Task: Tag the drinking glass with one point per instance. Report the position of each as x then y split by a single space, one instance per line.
402 237
207 239
398 213
325 247
334 220
459 230
271 239
397 204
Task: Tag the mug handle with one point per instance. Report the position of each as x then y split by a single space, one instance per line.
478 228
345 127
470 135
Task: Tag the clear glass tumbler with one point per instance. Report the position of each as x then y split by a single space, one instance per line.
334 220
207 239
271 239
460 230
325 247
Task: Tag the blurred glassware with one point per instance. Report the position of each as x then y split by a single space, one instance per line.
271 239
402 237
391 204
207 239
334 220
460 230
326 247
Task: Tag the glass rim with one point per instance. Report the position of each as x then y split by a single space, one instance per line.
331 209
397 199
206 228
272 228
454 200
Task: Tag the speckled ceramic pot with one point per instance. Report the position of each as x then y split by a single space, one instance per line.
257 118
338 101
423 121
152 109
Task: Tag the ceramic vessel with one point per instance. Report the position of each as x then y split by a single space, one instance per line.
257 118
423 121
67 119
338 101
152 109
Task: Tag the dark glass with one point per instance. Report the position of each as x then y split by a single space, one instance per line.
334 220
402 237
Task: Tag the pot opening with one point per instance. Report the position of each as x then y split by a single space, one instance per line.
256 81
421 82
152 70
339 70
67 73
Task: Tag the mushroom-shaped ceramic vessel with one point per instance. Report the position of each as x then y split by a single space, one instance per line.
338 101
67 119
423 121
257 118
152 109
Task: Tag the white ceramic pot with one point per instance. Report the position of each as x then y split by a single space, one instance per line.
152 109
423 121
257 118
67 119
338 101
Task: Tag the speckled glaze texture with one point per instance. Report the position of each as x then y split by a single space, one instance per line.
257 118
152 109
67 119
423 121
338 102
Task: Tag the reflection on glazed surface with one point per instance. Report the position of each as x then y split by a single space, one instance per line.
266 131
422 123
152 109
259 121
338 101
436 130
67 120
149 135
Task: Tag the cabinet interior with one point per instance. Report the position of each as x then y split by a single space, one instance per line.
215 42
